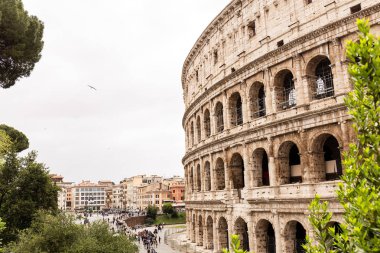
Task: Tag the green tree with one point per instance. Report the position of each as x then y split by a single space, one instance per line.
151 212
2 227
359 193
60 234
25 188
235 246
20 42
168 208
19 140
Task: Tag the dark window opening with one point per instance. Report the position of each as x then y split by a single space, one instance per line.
215 57
332 159
271 240
233 70
356 8
251 29
289 92
265 168
324 86
239 112
280 43
196 76
219 118
294 164
309 1
300 238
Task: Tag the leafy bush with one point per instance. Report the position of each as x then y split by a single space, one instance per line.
359 194
60 234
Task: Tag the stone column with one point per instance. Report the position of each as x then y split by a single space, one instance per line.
271 164
269 106
212 173
341 84
251 233
278 233
212 119
247 168
226 111
226 172
216 234
244 104
302 89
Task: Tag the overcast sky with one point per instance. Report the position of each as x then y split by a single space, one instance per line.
132 52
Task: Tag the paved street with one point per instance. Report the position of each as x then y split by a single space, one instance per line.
161 248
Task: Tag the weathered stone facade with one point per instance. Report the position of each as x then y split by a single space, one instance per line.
265 120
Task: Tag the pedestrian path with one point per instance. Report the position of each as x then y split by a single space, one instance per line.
161 248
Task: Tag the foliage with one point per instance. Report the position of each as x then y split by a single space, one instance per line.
235 245
19 140
2 227
5 143
168 208
151 212
25 188
165 219
20 42
359 193
60 234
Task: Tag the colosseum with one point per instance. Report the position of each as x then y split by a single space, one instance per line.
265 120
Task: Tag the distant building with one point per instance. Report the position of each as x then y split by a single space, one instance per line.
155 194
89 196
62 198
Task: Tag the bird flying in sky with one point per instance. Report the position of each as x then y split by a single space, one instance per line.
92 87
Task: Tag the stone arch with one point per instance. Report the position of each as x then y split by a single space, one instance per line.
193 229
285 91
237 171
265 237
207 176
220 174
207 123
200 231
326 157
294 237
236 109
289 163
223 233
199 178
191 179
219 119
210 233
320 77
192 133
260 167
241 229
199 130
257 100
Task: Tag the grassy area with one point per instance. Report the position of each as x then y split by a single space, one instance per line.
163 218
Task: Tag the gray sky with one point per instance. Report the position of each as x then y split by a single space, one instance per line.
132 52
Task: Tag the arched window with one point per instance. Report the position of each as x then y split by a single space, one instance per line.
199 178
290 163
219 117
199 133
285 90
324 86
220 174
236 109
192 133
207 177
207 123
237 168
257 100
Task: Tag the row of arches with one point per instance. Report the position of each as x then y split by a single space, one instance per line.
287 167
319 78
215 235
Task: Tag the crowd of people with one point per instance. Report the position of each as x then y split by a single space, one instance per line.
149 239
